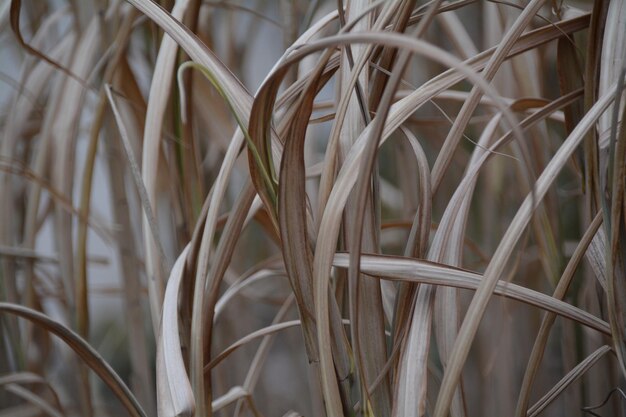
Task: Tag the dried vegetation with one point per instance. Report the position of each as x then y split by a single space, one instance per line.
341 208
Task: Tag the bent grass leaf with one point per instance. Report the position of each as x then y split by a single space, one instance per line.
88 354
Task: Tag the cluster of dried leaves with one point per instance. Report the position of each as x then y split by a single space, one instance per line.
416 205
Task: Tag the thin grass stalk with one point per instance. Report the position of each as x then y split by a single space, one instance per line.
142 380
84 351
591 79
572 375
548 320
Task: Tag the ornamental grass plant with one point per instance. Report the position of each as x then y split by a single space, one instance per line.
312 208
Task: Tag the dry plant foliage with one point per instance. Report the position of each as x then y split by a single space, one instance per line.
420 211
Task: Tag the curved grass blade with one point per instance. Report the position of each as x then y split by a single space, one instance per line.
88 354
567 380
175 396
413 270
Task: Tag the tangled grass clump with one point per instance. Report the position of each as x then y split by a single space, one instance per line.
420 210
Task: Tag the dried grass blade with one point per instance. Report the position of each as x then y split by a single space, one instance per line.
34 399
88 354
548 320
31 378
612 54
203 310
65 131
616 291
254 372
570 78
447 247
368 329
234 394
142 375
175 396
295 243
16 252
248 338
14 14
417 242
240 100
241 285
36 78
418 271
158 97
155 288
596 256
591 178
366 290
411 379
203 239
568 379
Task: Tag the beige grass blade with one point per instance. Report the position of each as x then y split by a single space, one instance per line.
34 399
143 379
154 289
234 394
418 239
202 264
292 217
240 286
152 136
203 312
447 248
262 353
248 338
296 248
15 252
64 132
37 75
616 292
571 376
31 378
88 354
362 189
596 256
590 149
175 396
14 17
612 56
413 270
